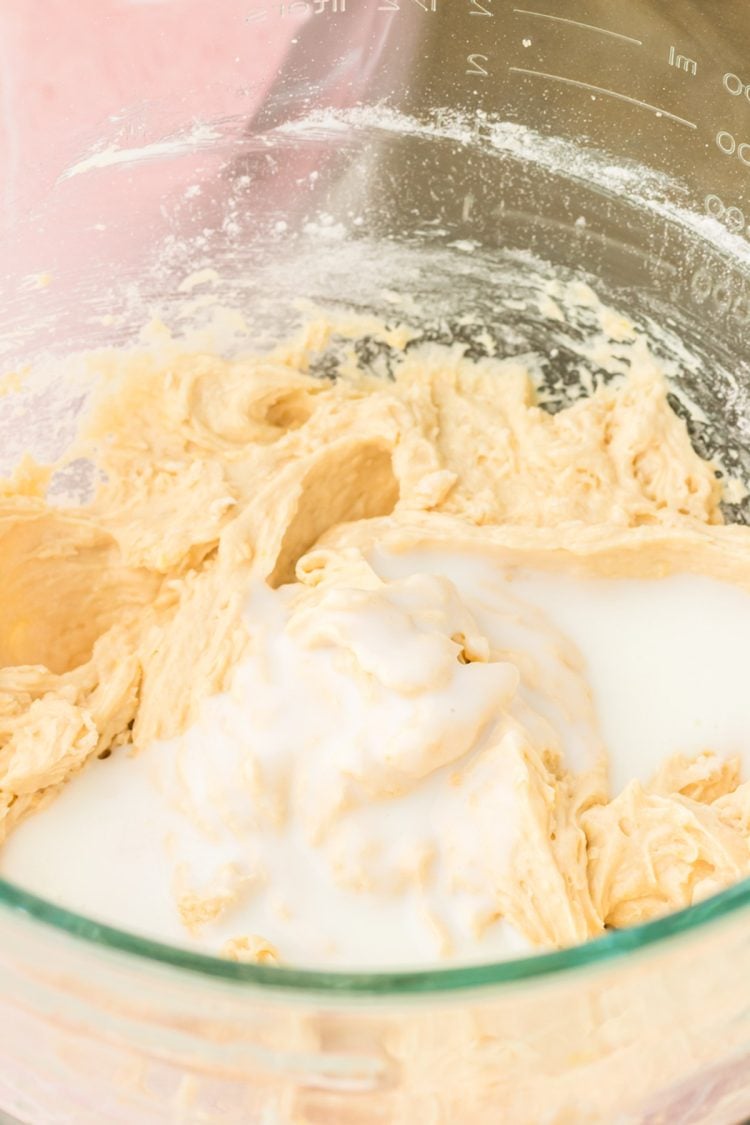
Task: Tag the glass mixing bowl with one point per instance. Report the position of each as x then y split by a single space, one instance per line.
429 160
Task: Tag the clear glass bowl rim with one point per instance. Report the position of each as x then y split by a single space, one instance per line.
611 946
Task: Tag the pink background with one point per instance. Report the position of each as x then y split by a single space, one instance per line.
67 65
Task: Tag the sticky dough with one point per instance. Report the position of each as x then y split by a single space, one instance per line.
119 618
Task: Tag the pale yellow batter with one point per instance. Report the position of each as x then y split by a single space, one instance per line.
117 619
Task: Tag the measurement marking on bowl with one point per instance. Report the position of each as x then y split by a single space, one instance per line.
607 93
577 23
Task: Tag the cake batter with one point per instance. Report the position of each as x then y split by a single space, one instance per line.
225 609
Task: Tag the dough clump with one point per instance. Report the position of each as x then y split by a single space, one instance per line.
119 617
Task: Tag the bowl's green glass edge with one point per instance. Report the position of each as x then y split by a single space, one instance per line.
614 944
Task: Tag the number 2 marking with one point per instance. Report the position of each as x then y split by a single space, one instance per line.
478 9
476 66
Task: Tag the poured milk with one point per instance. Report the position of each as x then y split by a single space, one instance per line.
666 658
665 662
